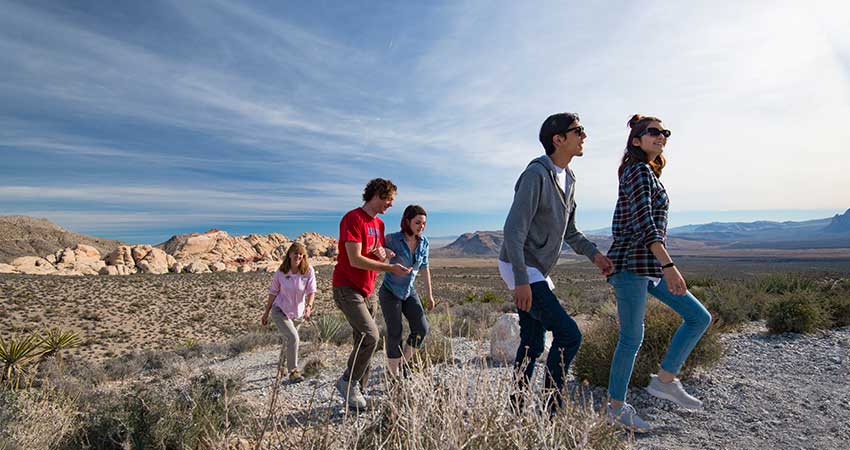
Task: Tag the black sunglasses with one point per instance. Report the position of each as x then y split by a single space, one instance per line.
652 131
579 130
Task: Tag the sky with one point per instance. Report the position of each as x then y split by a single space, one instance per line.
140 120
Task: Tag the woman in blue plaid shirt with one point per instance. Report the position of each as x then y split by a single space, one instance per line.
642 265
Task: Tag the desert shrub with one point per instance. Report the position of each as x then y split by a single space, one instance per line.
472 320
54 340
250 341
71 376
332 328
313 366
437 349
796 312
781 283
732 303
35 418
701 281
155 416
164 363
16 354
838 308
593 361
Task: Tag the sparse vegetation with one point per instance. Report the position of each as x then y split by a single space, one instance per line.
593 360
796 312
331 329
15 355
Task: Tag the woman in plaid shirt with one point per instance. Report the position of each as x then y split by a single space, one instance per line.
642 265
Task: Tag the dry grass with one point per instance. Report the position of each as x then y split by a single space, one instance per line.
443 407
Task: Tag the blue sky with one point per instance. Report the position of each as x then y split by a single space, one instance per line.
139 120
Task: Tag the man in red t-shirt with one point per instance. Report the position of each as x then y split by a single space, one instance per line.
361 256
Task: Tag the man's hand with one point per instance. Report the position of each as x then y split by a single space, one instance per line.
522 297
380 253
604 264
307 311
265 319
400 270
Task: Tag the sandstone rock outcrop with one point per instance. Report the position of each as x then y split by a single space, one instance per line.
212 251
32 265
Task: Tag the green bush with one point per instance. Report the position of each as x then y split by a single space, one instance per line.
796 312
781 283
838 307
732 303
593 361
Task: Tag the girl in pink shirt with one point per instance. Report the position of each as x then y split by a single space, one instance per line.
291 298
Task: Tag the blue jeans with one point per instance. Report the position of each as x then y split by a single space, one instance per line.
631 290
546 313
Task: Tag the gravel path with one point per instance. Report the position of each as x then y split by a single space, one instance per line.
768 392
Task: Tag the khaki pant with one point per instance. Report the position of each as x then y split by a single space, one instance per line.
360 313
289 329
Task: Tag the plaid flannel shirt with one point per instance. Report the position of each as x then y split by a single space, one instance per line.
640 219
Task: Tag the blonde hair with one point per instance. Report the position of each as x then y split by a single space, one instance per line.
303 267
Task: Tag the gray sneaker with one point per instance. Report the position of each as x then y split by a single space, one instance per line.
350 393
626 416
673 392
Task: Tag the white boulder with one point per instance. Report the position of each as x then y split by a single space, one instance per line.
504 339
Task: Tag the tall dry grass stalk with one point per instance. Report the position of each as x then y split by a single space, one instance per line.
443 407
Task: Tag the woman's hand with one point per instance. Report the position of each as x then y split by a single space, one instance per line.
265 319
675 283
308 310
431 303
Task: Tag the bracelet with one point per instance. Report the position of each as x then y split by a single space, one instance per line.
668 265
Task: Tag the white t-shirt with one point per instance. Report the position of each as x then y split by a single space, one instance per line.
506 270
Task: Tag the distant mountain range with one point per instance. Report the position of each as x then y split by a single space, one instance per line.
828 233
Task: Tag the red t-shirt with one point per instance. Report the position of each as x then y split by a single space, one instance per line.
357 226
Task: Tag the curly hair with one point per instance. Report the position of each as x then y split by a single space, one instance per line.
381 187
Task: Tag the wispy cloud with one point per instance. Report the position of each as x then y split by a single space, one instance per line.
236 108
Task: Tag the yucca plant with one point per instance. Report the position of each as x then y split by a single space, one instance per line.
328 326
15 355
55 340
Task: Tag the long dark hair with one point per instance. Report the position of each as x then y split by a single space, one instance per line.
409 213
634 154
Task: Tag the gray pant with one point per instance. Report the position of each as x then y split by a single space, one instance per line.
360 313
393 307
289 329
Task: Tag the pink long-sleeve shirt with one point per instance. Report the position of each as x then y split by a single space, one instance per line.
291 290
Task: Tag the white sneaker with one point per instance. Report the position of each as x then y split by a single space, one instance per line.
351 394
626 416
674 392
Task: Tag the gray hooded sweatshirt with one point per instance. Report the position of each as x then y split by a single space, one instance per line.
542 216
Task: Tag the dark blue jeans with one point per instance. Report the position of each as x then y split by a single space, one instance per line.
546 314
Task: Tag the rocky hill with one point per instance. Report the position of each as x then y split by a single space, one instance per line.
29 236
39 247
479 243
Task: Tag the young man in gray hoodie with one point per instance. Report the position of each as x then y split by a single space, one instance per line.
541 218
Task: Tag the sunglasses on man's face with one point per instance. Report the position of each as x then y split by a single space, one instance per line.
578 130
654 132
